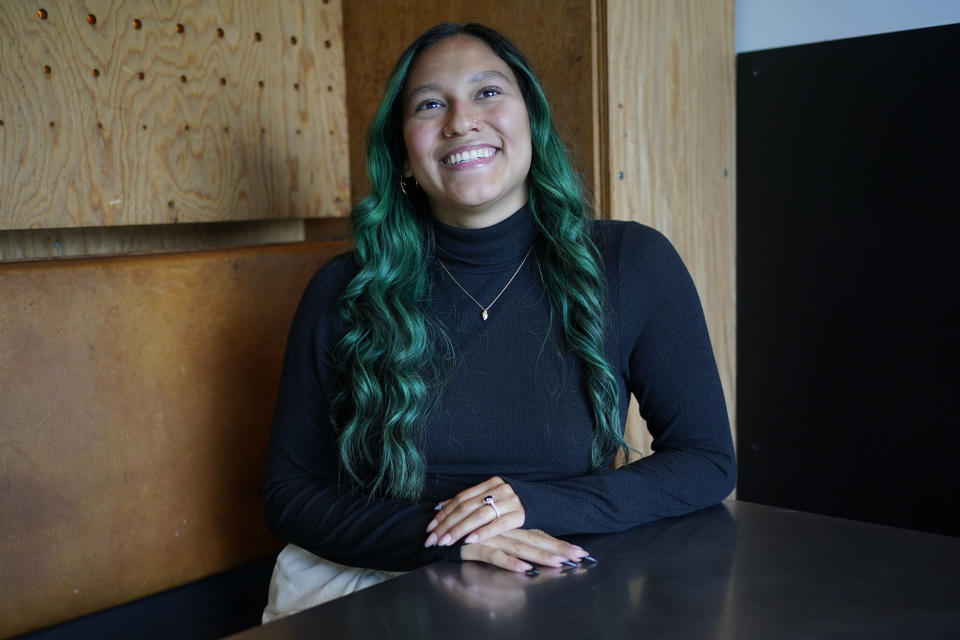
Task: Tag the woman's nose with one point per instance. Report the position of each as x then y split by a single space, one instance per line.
461 120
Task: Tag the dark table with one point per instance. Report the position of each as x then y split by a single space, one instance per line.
735 571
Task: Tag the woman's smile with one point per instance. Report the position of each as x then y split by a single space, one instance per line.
467 133
465 158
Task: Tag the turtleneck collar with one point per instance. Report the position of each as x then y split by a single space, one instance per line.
499 246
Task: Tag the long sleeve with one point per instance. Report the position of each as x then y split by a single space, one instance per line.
662 350
304 502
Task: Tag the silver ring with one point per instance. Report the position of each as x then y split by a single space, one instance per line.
445 134
491 502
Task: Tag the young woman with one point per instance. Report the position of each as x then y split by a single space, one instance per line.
456 387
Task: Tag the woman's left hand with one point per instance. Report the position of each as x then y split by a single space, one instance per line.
473 515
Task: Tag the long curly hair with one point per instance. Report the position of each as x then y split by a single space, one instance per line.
384 390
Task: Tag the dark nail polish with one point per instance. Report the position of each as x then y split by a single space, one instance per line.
589 561
569 563
533 573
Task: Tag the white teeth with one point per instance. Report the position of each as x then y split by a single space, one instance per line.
467 156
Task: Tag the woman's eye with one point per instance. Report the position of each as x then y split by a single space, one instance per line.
428 104
487 92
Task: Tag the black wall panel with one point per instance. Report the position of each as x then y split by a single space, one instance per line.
848 273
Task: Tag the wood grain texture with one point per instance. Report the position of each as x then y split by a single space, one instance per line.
136 400
197 138
557 36
672 137
38 244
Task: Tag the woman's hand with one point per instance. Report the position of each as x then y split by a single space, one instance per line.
473 514
519 549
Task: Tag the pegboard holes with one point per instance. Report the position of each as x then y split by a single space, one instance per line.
170 204
140 75
47 70
296 86
137 24
91 19
183 78
179 28
1 123
52 125
223 82
298 131
219 32
144 127
42 14
257 37
95 73
99 125
260 83
327 44
226 129
293 40
329 88
186 127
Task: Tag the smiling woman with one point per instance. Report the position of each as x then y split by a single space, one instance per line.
467 133
410 427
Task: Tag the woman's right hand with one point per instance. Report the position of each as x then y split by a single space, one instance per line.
519 549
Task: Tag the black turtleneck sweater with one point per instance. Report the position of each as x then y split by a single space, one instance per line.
513 404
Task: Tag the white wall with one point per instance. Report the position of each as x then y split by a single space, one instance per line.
765 24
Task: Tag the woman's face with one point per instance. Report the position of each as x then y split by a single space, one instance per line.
467 133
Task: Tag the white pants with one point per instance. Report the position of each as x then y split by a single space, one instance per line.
302 580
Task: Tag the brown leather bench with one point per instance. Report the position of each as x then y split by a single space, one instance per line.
135 402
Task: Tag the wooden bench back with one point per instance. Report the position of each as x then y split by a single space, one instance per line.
135 401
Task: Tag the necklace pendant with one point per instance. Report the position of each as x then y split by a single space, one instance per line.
484 315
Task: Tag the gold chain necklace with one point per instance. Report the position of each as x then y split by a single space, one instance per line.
484 309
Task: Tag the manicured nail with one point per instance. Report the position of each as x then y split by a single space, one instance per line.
533 572
431 540
433 525
589 560
439 506
569 563
470 539
446 540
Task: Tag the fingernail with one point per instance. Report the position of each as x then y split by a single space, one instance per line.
446 540
470 539
569 563
589 560
431 526
438 507
533 572
431 540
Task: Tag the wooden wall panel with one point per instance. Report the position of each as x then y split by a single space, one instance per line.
135 402
34 244
110 124
672 144
558 36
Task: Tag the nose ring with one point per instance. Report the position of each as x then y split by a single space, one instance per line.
476 125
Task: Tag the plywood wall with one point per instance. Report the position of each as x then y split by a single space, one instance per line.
123 112
558 36
672 143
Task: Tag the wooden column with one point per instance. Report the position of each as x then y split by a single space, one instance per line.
672 139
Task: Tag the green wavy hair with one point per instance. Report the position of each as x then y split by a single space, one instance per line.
384 390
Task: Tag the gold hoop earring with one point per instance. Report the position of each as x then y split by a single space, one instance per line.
403 186
445 134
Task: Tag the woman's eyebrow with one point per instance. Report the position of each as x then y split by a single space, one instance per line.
492 74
